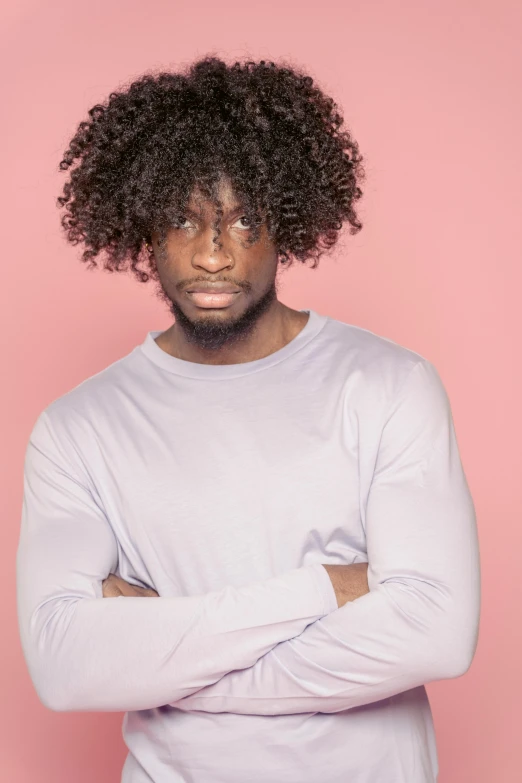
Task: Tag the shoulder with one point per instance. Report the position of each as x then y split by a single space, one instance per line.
389 386
74 414
377 362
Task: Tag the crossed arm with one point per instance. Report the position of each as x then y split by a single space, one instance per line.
284 645
419 621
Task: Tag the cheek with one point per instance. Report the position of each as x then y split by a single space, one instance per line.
266 259
264 249
175 258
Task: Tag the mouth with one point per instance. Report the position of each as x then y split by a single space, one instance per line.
212 299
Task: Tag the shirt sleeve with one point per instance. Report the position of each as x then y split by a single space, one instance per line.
85 652
420 620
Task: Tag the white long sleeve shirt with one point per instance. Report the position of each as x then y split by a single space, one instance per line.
225 487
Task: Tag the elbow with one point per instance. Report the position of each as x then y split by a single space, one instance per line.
451 648
51 662
447 637
53 700
434 661
461 639
51 689
53 681
454 663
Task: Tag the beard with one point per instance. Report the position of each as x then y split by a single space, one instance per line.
211 333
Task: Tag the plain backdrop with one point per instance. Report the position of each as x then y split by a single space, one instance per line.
432 92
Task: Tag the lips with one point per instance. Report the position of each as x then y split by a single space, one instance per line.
213 300
214 288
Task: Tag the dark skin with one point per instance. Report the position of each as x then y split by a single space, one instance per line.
349 582
256 324
253 326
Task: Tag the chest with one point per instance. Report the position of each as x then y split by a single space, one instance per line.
201 496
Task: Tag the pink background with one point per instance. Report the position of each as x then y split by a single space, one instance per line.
432 92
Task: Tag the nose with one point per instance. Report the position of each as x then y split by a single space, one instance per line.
211 255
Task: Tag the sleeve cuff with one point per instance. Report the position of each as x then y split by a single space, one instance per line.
325 587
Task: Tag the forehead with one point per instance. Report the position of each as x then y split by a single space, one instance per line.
199 203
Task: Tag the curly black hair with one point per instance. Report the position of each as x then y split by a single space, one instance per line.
279 138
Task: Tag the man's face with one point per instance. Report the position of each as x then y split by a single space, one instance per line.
194 255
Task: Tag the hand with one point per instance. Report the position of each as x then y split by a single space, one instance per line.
114 586
349 581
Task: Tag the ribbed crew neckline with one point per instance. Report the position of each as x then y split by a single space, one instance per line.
152 351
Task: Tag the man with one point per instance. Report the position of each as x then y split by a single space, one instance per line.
285 486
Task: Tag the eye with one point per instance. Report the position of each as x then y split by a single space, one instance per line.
241 221
182 222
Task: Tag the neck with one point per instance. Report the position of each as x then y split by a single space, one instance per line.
269 332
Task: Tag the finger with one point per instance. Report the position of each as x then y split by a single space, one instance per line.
111 591
147 592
